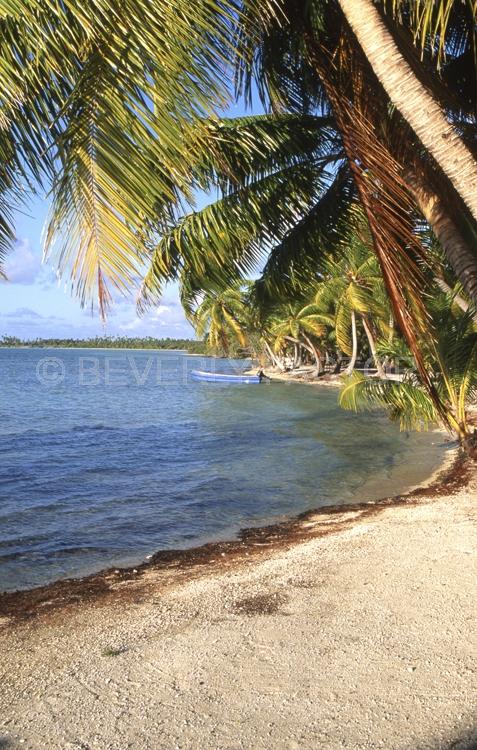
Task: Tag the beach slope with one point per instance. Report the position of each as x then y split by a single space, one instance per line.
361 638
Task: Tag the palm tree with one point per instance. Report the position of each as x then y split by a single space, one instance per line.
299 326
301 63
108 104
221 316
353 288
453 365
411 97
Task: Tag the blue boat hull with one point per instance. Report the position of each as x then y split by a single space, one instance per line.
217 377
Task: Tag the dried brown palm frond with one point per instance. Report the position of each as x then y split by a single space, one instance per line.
384 195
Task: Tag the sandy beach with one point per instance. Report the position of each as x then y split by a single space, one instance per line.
348 628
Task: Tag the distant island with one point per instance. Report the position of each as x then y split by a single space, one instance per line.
192 346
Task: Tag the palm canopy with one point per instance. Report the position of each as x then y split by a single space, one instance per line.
312 57
107 99
352 282
103 101
221 315
293 321
453 367
283 189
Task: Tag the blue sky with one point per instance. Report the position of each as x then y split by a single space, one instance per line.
34 303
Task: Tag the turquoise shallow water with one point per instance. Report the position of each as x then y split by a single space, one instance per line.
108 456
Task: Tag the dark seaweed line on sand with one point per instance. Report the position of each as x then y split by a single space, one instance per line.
109 586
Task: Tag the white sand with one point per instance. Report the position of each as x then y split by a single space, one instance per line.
365 638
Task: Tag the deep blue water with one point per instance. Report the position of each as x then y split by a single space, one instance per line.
108 456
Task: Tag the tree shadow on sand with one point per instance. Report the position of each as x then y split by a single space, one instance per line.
467 741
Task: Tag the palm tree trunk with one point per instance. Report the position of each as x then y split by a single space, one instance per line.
414 101
460 301
458 253
296 359
391 328
316 355
372 346
299 345
274 360
354 355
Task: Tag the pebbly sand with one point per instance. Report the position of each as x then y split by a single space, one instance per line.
345 628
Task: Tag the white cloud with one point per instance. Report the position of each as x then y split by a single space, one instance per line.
170 316
23 265
133 325
161 311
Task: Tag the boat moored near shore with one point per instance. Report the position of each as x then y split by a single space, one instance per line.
221 377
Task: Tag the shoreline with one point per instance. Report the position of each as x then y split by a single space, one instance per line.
301 377
114 584
354 630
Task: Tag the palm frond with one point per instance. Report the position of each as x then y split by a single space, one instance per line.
405 402
242 150
295 261
105 94
227 239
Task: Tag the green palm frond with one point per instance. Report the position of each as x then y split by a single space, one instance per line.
242 150
359 298
295 261
110 99
227 239
343 327
223 316
431 21
405 402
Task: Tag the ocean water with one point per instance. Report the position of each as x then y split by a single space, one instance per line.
108 456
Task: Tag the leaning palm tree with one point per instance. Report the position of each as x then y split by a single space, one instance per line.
353 289
453 367
300 326
313 59
408 93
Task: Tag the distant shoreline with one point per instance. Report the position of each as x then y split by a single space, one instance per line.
146 343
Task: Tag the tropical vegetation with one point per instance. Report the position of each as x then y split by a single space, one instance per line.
353 198
192 346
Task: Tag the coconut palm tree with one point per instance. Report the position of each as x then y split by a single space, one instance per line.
453 365
412 98
314 59
107 103
221 316
353 288
300 326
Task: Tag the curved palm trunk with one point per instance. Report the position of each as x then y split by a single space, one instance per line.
354 335
412 98
296 358
273 359
458 253
316 355
372 346
298 346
